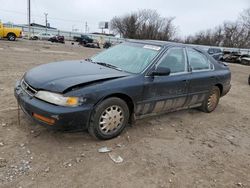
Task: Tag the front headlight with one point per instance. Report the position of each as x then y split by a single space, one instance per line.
58 99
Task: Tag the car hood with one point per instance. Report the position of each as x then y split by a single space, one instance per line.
60 76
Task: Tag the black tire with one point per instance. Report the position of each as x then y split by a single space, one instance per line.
211 101
11 37
35 38
97 130
249 80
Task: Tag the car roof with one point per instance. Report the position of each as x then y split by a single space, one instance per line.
152 42
162 43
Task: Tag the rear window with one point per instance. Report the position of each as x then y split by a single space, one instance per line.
197 60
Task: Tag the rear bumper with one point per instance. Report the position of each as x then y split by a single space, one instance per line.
65 118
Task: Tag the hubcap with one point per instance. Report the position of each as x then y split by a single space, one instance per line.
212 101
111 119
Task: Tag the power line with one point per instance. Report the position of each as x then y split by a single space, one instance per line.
39 16
46 20
86 27
30 14
28 17
12 11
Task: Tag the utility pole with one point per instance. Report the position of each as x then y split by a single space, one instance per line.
28 17
46 21
86 27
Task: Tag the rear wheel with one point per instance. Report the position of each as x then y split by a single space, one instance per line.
109 118
35 38
11 37
212 100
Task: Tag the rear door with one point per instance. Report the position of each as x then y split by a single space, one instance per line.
166 93
201 78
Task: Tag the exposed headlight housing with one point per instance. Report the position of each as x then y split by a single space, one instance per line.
58 99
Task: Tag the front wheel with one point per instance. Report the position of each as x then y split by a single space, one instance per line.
211 101
109 118
11 37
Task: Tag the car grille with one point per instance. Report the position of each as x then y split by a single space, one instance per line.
28 89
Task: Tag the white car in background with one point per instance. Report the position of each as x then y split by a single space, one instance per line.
42 36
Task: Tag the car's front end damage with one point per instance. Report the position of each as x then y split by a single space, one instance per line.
59 101
51 115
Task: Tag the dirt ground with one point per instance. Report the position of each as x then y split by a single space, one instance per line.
182 149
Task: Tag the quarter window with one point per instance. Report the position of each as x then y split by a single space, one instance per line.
197 60
175 60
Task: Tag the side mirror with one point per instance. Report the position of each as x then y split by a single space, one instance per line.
161 71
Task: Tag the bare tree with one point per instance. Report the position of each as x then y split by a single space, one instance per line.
126 26
230 34
245 18
144 24
148 24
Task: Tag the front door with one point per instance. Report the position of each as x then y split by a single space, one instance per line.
166 93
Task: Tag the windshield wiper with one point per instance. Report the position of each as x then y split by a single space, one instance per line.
107 65
104 64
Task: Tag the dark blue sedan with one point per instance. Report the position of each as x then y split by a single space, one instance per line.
119 85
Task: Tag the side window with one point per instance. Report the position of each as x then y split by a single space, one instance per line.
218 50
175 60
210 51
197 60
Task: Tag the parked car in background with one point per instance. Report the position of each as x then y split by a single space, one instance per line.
216 53
231 56
86 41
245 60
83 39
129 81
57 38
42 36
10 33
107 45
236 57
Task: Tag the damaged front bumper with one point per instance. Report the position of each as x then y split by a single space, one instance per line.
53 116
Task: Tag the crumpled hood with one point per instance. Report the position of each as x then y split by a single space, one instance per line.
59 76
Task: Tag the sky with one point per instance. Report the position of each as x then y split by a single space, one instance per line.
191 16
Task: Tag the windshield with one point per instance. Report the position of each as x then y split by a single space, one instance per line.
129 57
